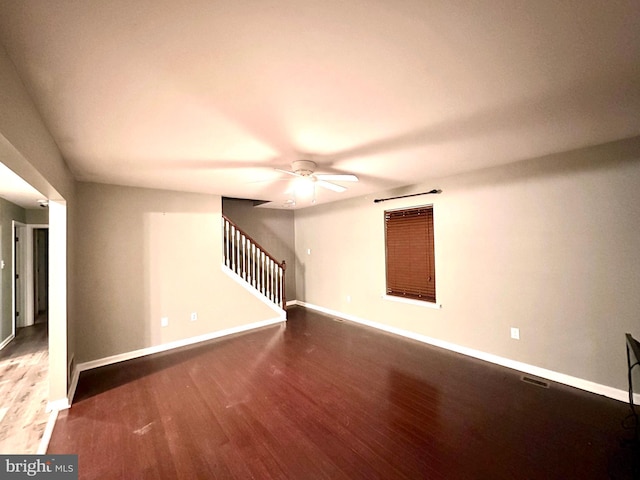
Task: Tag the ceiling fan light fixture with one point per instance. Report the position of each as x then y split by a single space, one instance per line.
305 187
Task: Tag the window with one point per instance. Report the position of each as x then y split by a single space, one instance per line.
410 253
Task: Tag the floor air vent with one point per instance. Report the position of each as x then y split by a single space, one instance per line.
535 381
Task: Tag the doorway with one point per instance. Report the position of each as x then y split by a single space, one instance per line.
41 274
34 183
30 274
24 363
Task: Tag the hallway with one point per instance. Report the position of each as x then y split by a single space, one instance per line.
24 388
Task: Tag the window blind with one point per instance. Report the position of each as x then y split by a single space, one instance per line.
410 253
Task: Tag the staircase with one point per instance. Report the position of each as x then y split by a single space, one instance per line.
248 260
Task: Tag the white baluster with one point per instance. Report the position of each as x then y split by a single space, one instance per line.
232 245
241 251
253 266
250 256
226 241
263 277
276 284
259 275
245 244
237 252
279 276
271 279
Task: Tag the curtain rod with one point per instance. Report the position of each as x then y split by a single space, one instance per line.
378 200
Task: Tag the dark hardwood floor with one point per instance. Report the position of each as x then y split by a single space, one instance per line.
318 398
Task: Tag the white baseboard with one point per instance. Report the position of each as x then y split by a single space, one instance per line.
101 362
75 375
57 405
569 380
7 341
48 431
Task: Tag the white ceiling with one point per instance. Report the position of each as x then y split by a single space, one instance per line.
17 191
210 96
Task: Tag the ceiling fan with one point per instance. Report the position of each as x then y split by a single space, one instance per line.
304 169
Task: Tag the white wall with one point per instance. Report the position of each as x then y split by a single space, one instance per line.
549 246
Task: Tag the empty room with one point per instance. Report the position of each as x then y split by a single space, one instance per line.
337 240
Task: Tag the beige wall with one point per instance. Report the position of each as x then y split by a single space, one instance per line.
38 217
8 213
549 246
272 228
144 254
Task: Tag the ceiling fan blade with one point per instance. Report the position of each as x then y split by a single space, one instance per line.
337 178
331 186
265 180
288 172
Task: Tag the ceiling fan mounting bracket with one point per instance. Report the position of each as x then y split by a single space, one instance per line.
303 167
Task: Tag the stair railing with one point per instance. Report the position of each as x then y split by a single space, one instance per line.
247 259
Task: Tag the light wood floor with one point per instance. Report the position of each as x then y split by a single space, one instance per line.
24 387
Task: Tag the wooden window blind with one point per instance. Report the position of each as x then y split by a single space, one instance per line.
410 253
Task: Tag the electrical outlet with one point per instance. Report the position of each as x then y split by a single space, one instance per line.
348 298
194 316
164 321
515 333
308 251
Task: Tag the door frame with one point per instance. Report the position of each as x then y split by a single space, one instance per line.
26 279
19 254
37 175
